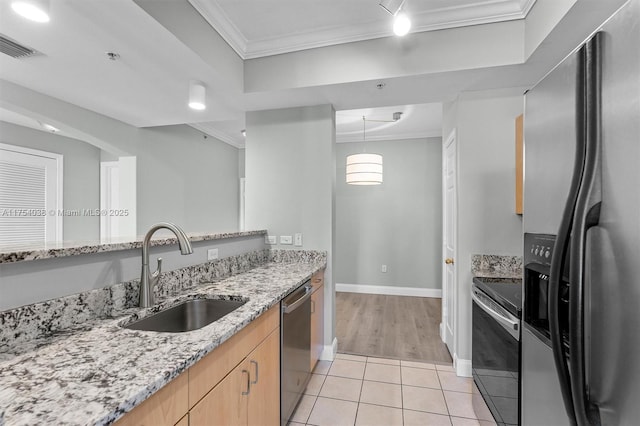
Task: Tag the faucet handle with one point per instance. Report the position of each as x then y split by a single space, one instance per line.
159 270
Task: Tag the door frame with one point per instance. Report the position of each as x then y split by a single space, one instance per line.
451 141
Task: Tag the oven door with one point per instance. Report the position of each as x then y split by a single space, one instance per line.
495 357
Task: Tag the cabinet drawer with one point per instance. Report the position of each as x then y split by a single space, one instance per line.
209 371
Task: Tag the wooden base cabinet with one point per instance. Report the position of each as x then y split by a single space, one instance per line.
264 396
317 317
249 395
238 384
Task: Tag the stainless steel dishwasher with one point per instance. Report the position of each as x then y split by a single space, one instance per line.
295 348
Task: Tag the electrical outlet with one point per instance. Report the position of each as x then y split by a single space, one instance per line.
285 239
297 240
383 268
212 254
270 239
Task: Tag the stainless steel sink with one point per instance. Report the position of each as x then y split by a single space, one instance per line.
187 316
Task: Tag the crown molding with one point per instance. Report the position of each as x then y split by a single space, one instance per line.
445 18
215 133
215 16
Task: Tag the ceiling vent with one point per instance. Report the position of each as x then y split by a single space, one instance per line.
14 49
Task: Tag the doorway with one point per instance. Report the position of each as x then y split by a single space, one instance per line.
388 269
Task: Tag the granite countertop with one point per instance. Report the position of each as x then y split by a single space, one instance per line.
27 252
496 266
95 374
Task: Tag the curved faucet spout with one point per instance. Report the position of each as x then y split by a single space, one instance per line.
147 279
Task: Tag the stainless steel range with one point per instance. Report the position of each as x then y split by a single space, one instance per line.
497 307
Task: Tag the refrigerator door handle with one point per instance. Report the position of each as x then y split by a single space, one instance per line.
586 215
559 255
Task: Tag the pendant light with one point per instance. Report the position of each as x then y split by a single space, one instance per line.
365 168
197 95
34 10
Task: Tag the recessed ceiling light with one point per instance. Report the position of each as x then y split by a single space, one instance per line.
34 10
50 128
244 132
401 24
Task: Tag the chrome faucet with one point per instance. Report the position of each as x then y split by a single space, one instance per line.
148 280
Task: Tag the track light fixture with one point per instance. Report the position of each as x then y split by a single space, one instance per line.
401 22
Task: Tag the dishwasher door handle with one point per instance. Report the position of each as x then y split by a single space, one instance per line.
287 309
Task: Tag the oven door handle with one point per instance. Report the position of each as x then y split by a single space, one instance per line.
512 326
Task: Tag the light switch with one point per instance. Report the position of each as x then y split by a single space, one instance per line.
285 239
270 239
212 254
383 268
298 239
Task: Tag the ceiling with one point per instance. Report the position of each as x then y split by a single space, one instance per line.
256 28
417 121
148 85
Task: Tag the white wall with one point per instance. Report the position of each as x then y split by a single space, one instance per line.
398 223
81 181
290 171
187 179
423 52
487 223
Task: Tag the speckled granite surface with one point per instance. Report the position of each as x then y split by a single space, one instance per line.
73 248
495 266
94 371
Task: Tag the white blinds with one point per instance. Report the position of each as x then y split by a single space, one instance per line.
30 196
22 203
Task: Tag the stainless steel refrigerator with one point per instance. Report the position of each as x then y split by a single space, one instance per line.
580 354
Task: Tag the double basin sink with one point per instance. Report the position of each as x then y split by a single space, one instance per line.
186 316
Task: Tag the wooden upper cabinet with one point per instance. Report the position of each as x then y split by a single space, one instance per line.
519 161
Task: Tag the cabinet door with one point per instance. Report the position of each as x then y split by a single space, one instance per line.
226 404
264 399
317 325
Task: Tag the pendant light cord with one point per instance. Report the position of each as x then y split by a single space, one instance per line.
364 134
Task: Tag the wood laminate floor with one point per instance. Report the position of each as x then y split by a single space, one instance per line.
398 327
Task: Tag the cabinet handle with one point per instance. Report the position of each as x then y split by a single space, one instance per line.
313 306
248 382
256 364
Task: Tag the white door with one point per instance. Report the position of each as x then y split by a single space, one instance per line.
449 293
30 196
109 200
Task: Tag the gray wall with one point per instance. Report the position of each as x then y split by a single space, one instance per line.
38 280
290 170
186 179
81 182
487 223
398 223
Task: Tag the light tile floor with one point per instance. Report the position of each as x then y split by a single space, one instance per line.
364 391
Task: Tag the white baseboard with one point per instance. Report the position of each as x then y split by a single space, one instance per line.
389 290
329 352
462 366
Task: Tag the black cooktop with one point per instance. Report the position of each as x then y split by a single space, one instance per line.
507 292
